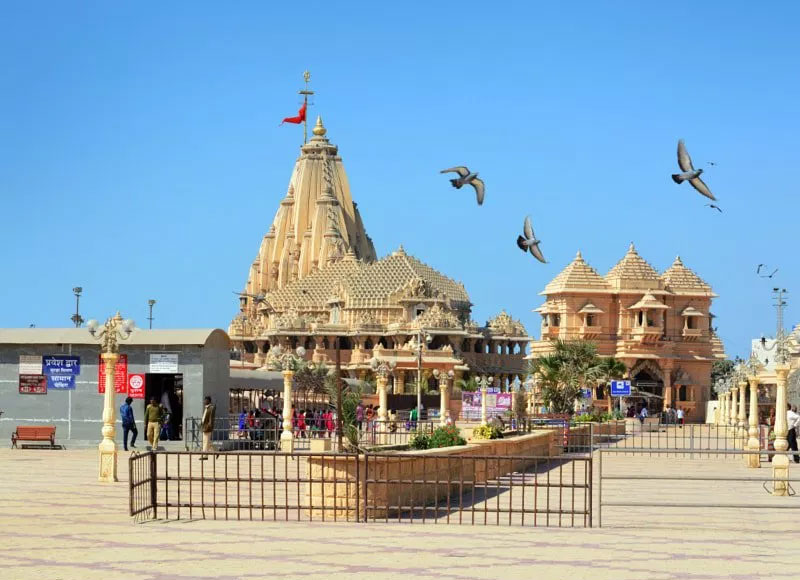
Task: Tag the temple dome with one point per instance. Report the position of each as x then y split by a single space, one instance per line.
633 273
578 275
681 280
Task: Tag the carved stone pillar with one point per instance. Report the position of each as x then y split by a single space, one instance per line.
742 418
732 412
108 446
780 463
669 397
286 435
444 398
754 459
399 382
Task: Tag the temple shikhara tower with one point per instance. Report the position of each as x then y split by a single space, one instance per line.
316 278
659 325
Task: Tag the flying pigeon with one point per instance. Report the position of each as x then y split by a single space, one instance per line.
758 270
529 241
466 177
716 207
690 174
770 275
712 163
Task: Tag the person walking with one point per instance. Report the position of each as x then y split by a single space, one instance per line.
207 424
153 416
680 417
359 415
128 423
793 425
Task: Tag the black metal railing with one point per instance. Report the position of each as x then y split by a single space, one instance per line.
369 487
689 437
623 482
231 434
142 485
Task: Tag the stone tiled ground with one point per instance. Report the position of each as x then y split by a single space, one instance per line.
57 522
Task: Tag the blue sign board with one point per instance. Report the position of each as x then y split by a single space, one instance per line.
620 388
61 365
587 393
61 382
492 390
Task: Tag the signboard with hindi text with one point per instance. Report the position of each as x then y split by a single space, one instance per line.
164 363
32 385
136 386
61 382
120 375
30 364
57 364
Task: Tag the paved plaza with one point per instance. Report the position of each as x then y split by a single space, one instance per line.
59 523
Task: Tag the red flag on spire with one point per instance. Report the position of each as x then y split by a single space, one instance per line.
301 116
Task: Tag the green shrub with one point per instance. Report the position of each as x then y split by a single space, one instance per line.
487 432
447 436
420 441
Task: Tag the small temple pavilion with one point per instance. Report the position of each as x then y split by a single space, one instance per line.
659 325
316 281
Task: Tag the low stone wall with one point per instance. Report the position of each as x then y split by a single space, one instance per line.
414 477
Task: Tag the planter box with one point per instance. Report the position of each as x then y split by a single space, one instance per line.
343 487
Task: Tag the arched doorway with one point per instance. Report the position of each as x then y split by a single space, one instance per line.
648 386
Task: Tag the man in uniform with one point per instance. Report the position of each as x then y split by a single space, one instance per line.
153 416
208 426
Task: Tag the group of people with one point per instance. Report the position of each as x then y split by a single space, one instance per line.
156 423
316 423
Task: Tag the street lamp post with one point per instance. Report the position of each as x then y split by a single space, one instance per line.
287 362
113 331
76 318
444 393
753 444
151 303
382 371
428 338
741 423
484 382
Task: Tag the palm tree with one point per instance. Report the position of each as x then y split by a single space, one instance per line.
562 374
468 385
611 369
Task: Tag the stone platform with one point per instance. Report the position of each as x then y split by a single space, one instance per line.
58 523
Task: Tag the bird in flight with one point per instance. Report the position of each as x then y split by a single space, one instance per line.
529 241
770 275
716 207
466 177
712 163
758 270
690 174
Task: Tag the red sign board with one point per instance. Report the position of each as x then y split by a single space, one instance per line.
136 386
120 375
32 384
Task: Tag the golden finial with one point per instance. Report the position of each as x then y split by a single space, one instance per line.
307 76
319 129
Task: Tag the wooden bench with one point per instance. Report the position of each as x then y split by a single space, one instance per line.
40 433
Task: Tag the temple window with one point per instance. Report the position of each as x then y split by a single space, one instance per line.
590 320
682 393
555 320
335 313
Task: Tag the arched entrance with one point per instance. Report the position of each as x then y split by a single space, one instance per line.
648 386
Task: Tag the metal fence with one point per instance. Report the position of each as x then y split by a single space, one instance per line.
680 439
371 487
142 485
394 432
230 435
685 483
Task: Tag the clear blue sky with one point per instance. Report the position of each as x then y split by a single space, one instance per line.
140 153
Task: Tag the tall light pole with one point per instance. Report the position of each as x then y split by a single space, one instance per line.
484 382
113 331
287 361
76 318
151 303
780 463
428 338
444 393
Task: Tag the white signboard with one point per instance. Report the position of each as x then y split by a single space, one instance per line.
30 364
164 362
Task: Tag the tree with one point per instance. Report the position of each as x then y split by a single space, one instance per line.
469 385
722 370
563 373
611 369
